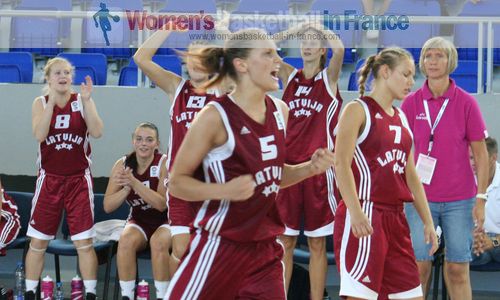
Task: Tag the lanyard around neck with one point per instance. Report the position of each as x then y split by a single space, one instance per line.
436 122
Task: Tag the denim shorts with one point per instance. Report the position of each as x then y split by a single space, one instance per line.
455 220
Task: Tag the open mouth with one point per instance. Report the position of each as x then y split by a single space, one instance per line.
274 74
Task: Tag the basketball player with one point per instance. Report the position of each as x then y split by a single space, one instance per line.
186 100
62 122
9 220
138 179
313 97
239 139
371 237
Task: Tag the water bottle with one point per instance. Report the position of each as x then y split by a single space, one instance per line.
47 288
143 291
20 281
76 288
59 292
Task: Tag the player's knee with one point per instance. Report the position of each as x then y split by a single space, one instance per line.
288 242
84 246
38 246
158 245
316 244
178 249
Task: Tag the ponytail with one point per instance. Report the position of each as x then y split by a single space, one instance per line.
364 72
389 56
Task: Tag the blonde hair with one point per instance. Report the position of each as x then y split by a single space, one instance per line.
389 56
444 45
48 68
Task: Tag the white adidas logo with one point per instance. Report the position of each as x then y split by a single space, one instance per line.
366 279
378 116
244 130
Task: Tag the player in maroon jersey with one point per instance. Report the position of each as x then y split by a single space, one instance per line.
314 101
239 139
62 122
9 220
187 98
376 175
138 179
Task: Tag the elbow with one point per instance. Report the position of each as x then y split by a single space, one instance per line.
162 206
173 186
96 132
107 208
40 137
138 59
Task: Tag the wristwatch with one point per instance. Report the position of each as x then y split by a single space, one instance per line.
495 241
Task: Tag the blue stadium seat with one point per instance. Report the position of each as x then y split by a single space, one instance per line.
83 61
295 62
245 15
350 38
128 76
465 75
10 74
81 72
57 5
40 35
122 39
191 6
419 33
169 62
466 34
263 6
23 60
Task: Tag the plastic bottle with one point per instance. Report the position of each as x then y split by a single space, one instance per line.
143 290
77 288
20 282
59 292
47 288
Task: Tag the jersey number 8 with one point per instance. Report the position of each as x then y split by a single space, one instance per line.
62 121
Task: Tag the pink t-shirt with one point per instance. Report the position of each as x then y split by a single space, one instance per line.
461 124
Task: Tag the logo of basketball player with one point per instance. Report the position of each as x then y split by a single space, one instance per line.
103 15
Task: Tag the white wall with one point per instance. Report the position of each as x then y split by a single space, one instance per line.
121 108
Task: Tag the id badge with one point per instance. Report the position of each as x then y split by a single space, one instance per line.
425 167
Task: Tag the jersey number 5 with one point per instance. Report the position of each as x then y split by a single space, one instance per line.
397 129
269 151
62 121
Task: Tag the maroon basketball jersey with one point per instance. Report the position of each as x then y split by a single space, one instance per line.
9 209
381 154
66 150
251 148
187 103
140 210
314 113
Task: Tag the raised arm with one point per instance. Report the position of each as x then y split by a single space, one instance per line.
166 80
117 190
350 125
335 64
206 132
92 119
40 118
421 204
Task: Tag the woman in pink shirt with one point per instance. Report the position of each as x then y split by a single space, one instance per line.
441 155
